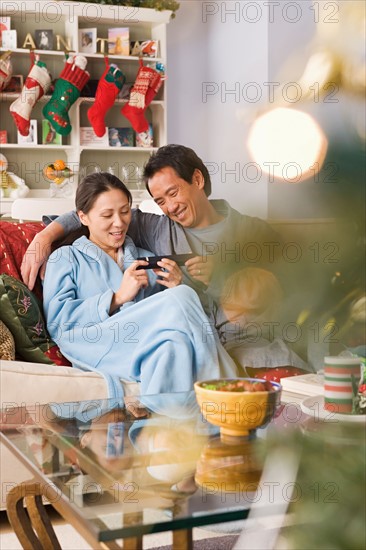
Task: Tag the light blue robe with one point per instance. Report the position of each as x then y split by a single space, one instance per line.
161 339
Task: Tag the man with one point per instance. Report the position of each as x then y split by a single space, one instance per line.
221 239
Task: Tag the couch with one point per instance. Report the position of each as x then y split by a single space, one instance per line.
310 242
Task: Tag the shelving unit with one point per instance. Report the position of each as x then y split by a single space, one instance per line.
65 19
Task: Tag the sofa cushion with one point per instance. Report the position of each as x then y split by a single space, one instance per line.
14 241
23 384
22 313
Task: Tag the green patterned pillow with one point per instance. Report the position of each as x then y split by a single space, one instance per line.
22 313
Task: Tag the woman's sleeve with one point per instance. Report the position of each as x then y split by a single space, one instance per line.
63 308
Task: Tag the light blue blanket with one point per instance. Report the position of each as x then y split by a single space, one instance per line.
162 339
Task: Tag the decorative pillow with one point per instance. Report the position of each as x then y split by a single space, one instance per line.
21 312
7 346
275 374
14 241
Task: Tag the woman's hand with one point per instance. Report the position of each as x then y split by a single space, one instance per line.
201 268
133 281
172 274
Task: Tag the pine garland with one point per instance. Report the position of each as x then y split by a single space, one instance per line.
158 5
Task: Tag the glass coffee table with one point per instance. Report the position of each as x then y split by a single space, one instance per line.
121 473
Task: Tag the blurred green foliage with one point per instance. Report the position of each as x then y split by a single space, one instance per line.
329 502
155 4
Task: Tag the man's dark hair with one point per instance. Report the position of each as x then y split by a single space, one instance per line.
182 159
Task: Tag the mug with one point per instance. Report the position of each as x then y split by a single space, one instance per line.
338 372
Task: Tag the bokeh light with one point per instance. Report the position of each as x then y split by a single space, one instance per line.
287 144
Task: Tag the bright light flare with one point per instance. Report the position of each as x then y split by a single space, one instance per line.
288 144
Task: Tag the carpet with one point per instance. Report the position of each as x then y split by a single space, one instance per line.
215 543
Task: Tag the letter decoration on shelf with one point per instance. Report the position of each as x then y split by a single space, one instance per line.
103 42
63 43
29 43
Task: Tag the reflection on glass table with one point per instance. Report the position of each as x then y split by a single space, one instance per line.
132 470
153 465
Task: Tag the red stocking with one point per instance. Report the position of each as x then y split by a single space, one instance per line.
147 84
109 86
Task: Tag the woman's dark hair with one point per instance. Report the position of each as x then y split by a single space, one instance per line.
87 193
94 185
182 159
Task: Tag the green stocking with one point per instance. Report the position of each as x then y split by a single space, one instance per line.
67 89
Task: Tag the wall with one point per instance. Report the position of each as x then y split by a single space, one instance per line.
228 45
215 51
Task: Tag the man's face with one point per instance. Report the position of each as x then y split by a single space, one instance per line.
182 202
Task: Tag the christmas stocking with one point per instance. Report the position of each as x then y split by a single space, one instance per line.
147 84
109 86
36 84
67 89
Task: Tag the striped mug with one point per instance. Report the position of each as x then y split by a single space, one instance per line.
338 373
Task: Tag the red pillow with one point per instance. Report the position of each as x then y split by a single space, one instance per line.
275 374
14 241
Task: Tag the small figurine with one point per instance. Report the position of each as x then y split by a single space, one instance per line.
11 185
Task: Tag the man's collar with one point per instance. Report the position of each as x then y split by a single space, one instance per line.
221 206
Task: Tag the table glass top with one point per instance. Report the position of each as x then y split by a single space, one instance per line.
151 466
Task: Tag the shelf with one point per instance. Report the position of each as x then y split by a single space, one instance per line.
101 56
107 148
38 145
25 159
33 194
12 96
122 57
156 103
47 53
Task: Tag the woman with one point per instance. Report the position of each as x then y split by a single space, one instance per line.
107 315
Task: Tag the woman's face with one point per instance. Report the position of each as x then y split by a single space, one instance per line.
108 219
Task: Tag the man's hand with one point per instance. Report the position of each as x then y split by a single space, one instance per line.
201 268
35 258
170 274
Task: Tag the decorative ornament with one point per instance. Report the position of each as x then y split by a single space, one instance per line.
11 185
61 178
